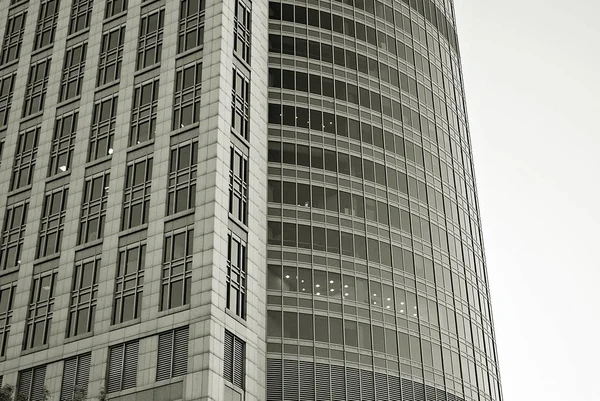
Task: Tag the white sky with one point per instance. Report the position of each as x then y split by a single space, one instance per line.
532 77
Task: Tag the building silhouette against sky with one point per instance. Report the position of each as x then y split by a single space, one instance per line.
240 200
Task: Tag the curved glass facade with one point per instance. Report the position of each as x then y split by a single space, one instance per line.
377 286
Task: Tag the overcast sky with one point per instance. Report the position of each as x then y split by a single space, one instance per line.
532 77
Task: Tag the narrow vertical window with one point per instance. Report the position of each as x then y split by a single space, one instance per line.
234 359
46 24
72 74
182 178
13 38
236 275
76 377
177 268
13 235
39 311
84 291
7 83
93 209
191 24
52 222
238 185
242 30
35 91
186 103
240 107
150 39
136 197
122 366
7 296
81 14
63 143
172 353
102 133
144 111
111 56
25 155
129 283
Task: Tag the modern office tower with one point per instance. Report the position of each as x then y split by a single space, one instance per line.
238 200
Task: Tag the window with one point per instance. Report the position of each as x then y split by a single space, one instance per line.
93 209
234 360
63 143
143 113
103 128
25 154
150 39
13 235
236 275
72 74
191 25
84 292
39 313
35 91
240 107
13 38
129 283
186 104
76 377
182 177
7 83
172 353
177 268
111 56
136 197
241 30
52 223
122 366
81 14
238 185
114 7
31 383
46 23
7 296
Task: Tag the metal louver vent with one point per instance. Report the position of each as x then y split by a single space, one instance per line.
307 380
381 387
290 380
130 365
122 366
274 380
180 351
24 381
430 393
164 358
353 380
419 391
322 376
172 353
441 394
31 383
228 357
338 383
407 390
76 375
394 383
367 387
234 360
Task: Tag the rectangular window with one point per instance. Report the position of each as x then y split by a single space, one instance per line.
72 73
7 296
111 56
46 23
172 353
7 84
93 209
13 37
236 275
84 292
25 155
136 197
31 384
238 185
150 39
122 366
52 222
76 377
129 283
182 177
242 30
114 7
191 24
177 268
81 14
186 103
63 143
102 133
143 112
240 106
13 235
35 91
39 312
234 359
